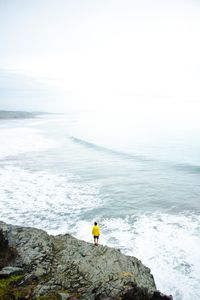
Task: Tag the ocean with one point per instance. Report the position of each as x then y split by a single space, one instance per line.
138 177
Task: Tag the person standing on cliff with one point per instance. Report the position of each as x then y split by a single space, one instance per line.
96 233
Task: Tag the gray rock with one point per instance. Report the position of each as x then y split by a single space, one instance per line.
39 272
63 262
64 296
159 296
8 271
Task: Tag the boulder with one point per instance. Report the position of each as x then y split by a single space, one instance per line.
9 271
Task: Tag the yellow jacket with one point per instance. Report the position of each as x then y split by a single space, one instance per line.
96 230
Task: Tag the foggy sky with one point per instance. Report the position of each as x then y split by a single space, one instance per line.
98 53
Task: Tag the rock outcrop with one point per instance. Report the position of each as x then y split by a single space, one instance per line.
65 265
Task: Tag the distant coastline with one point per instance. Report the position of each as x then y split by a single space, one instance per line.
9 114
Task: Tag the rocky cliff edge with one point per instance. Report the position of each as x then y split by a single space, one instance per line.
41 266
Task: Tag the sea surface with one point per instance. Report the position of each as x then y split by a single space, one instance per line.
137 174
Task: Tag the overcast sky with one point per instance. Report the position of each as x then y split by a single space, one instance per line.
99 52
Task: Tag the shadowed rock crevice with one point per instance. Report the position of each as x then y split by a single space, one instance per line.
7 253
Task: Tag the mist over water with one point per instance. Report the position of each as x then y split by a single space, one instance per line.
126 153
134 171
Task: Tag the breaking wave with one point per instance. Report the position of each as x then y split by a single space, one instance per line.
183 167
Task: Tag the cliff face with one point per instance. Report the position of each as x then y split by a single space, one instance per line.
63 263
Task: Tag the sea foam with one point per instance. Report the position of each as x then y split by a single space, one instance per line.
168 244
15 141
48 201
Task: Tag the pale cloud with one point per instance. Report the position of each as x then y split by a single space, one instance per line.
97 50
